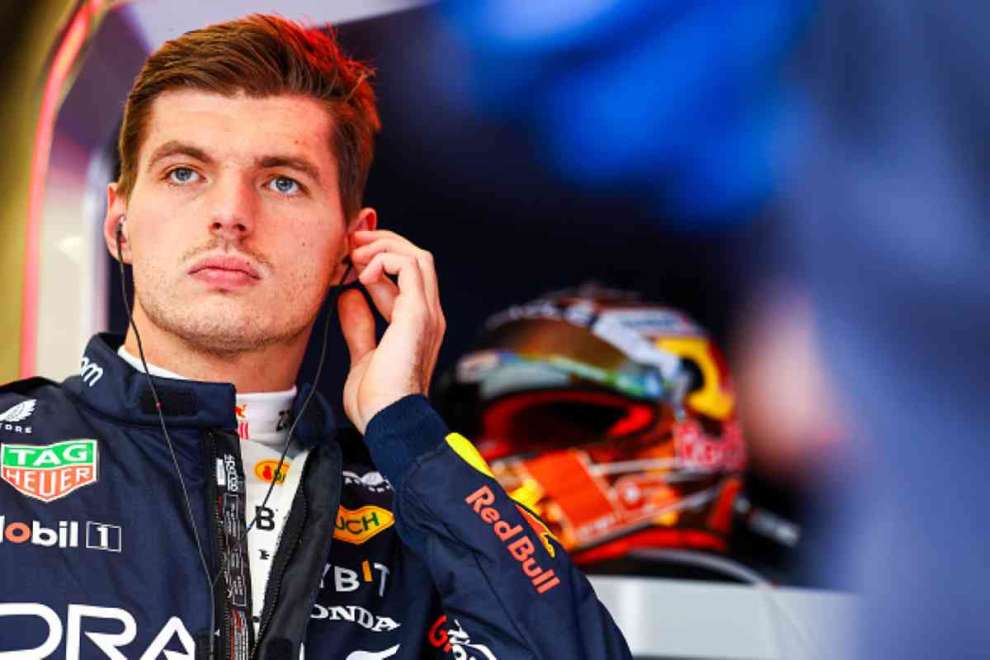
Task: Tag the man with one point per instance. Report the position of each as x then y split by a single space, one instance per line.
151 514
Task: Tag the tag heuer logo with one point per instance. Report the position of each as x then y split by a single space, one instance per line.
359 525
48 472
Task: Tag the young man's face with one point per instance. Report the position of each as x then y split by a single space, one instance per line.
235 227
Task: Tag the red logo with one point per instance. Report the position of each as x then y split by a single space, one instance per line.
240 411
437 635
701 451
267 469
518 544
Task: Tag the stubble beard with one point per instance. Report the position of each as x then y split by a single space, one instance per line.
217 324
222 330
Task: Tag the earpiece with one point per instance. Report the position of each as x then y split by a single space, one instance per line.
120 230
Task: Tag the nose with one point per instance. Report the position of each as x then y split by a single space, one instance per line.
232 209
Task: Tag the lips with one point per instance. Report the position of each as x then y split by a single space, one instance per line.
225 271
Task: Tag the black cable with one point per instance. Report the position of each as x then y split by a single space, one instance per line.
168 442
309 396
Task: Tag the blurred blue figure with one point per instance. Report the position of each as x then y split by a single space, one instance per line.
891 215
677 101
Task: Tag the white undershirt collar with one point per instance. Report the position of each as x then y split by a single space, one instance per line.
261 416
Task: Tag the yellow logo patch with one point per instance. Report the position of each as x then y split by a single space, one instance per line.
358 525
265 470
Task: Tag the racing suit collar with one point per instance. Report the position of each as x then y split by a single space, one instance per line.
108 384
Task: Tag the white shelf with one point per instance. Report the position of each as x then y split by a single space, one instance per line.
664 618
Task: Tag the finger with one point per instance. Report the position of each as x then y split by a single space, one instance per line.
411 294
362 254
364 236
394 243
383 293
403 266
430 284
410 281
357 324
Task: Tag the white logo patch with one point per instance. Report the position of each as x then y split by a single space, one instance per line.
373 655
90 371
373 481
355 614
464 649
10 418
19 412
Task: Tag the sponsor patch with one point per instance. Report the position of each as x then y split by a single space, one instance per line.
240 413
373 481
437 635
346 580
373 655
542 531
358 525
355 614
456 640
90 372
11 418
49 472
266 471
61 534
464 647
86 625
516 541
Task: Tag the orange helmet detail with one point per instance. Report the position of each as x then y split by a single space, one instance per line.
612 419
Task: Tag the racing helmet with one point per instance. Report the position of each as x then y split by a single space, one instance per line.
611 418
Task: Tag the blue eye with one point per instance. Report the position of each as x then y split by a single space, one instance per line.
285 185
182 175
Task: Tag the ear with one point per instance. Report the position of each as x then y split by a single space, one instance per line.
116 210
366 219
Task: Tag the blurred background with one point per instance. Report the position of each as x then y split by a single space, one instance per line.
804 181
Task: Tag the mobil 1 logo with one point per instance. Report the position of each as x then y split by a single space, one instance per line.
61 534
101 536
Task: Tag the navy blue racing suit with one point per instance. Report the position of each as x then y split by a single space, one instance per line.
399 544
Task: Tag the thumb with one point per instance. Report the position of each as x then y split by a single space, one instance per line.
357 323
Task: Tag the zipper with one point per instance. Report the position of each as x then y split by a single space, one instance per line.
232 541
291 536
